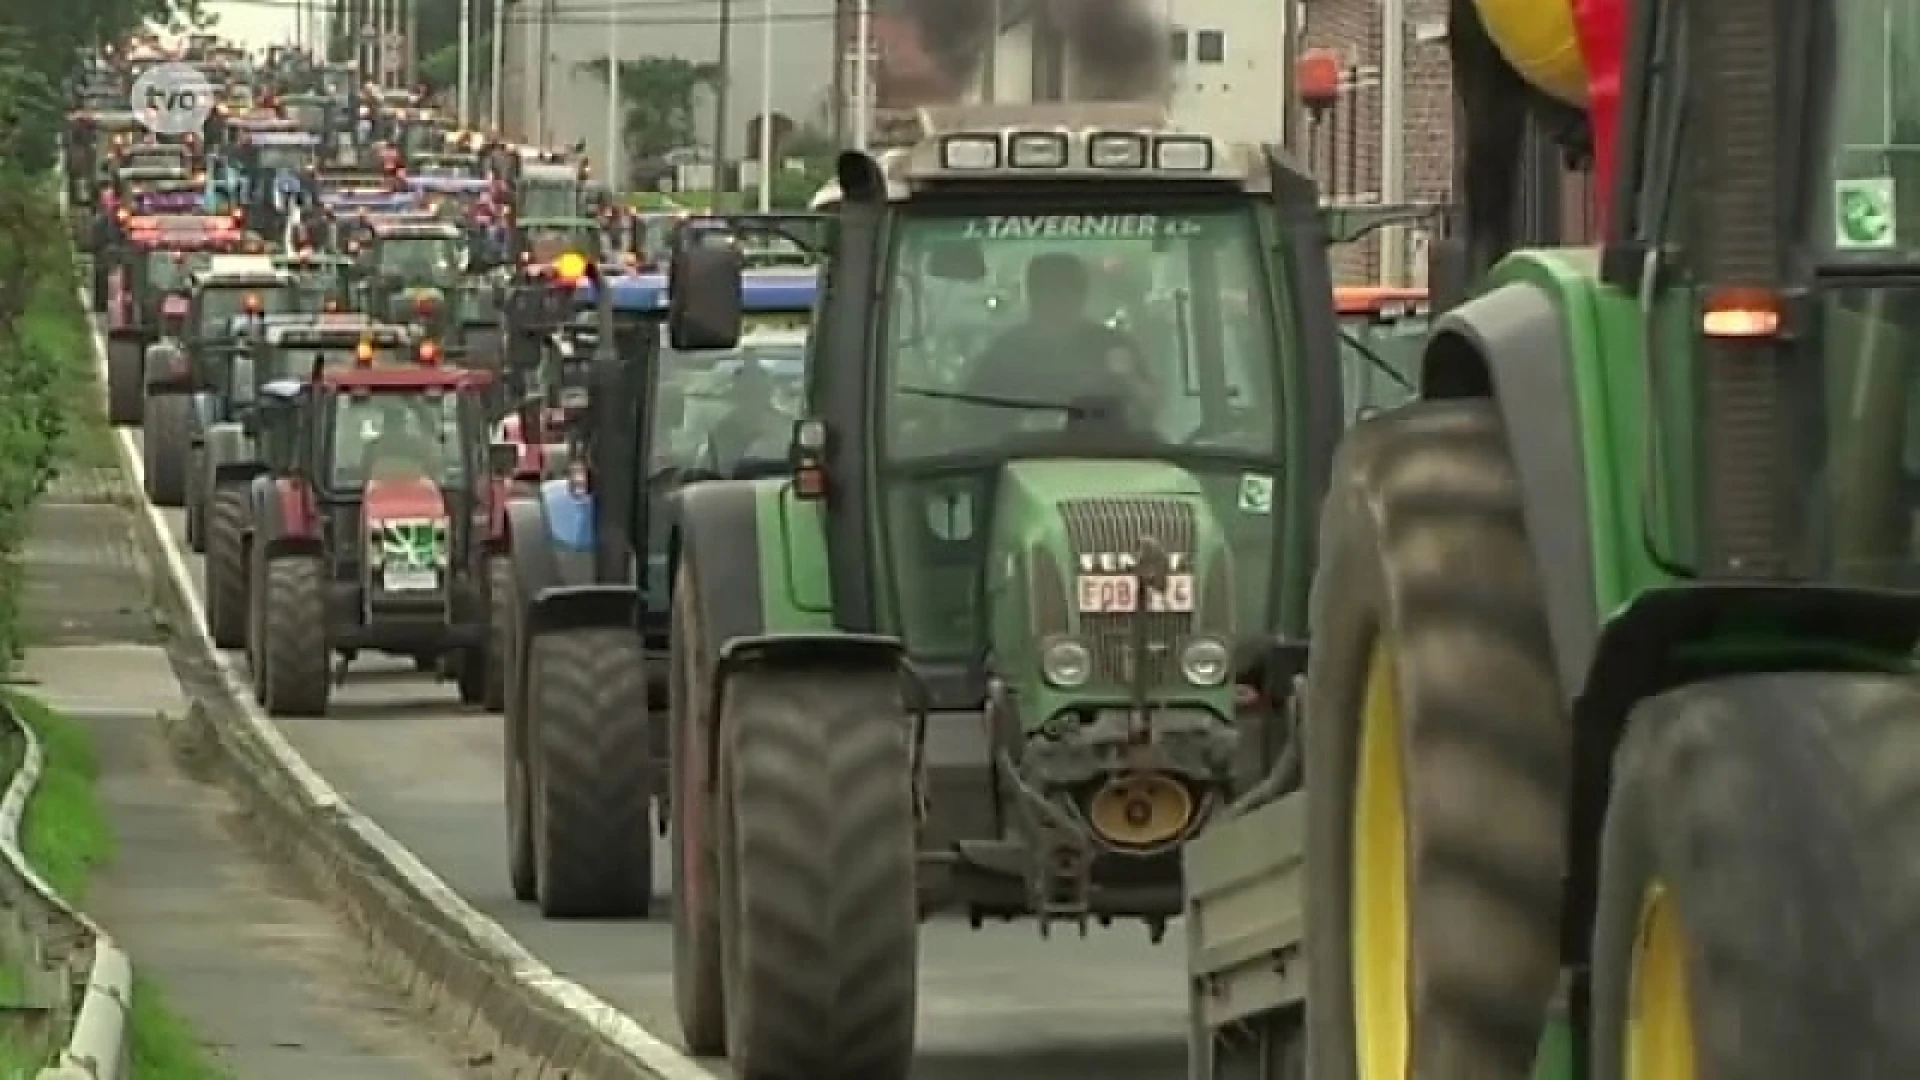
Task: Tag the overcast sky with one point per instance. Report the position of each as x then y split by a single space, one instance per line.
255 24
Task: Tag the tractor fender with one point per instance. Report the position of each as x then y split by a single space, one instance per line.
229 443
1517 333
828 652
717 530
165 367
532 552
582 607
284 519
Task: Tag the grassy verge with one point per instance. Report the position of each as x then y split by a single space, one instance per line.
51 416
66 837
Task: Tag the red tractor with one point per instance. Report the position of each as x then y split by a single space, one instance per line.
379 525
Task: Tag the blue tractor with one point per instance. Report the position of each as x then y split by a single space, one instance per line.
589 635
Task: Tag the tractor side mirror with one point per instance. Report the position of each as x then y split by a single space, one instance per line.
502 459
703 305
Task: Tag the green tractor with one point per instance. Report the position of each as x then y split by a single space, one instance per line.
985 637
1611 720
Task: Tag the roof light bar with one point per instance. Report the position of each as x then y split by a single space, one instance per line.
1037 150
1116 150
1183 153
970 152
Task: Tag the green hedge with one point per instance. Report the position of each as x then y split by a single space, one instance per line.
45 359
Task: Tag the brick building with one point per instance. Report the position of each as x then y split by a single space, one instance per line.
1344 143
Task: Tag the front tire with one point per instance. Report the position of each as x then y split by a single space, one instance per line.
1437 760
820 916
296 681
126 392
164 446
1755 904
227 568
698 993
590 787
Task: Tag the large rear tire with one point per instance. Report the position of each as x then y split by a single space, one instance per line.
500 600
820 910
590 774
698 993
1756 896
296 681
1436 761
126 394
163 447
520 868
199 499
227 567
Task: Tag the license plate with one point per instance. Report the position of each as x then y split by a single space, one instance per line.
409 579
1117 594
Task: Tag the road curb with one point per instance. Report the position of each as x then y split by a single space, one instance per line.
98 1045
460 965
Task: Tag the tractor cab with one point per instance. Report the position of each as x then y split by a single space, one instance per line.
389 466
321 278
537 242
1382 331
405 271
1069 402
154 155
224 302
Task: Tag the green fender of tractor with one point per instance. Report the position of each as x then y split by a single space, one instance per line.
1563 357
760 580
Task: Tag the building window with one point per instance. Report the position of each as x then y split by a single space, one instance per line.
1210 47
1177 40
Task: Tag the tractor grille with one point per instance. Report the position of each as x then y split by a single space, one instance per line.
1117 527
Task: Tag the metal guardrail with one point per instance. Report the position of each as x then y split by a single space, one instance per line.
73 946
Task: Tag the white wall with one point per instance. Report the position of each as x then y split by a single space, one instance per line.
1238 97
576 99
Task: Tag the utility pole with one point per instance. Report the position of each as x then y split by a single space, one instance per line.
720 101
545 54
411 47
613 162
863 73
465 107
1393 135
765 149
497 71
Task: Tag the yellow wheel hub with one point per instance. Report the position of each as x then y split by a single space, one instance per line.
1659 1011
1140 810
1379 948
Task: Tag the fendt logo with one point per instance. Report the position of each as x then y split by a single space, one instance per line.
173 99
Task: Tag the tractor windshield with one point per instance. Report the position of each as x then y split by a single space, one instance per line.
734 403
168 271
420 258
221 304
397 433
548 196
1042 342
1379 361
1000 325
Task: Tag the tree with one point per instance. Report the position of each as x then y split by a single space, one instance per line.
659 93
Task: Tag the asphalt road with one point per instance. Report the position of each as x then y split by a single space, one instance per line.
999 1003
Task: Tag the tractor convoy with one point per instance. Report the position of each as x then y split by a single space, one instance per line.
1507 682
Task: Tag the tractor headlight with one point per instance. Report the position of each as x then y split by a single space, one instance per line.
1206 662
1065 663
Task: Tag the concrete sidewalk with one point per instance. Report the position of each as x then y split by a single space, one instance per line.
263 975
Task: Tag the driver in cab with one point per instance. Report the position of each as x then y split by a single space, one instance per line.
1060 356
400 450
